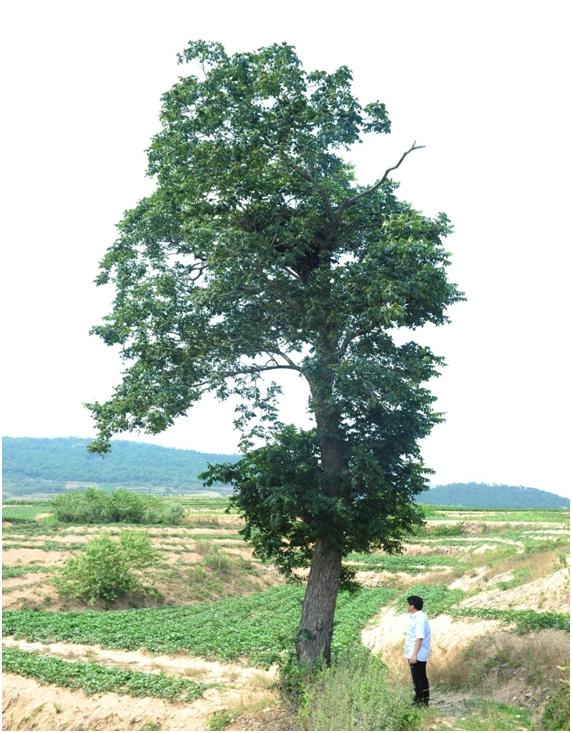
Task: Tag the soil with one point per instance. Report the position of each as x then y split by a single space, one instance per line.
550 593
384 636
200 670
29 705
28 556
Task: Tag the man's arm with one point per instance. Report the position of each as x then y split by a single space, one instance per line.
416 648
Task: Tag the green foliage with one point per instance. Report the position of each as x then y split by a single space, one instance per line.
16 571
556 715
258 251
20 514
356 693
257 627
96 506
106 569
220 719
217 560
401 563
93 678
525 621
283 518
437 599
488 715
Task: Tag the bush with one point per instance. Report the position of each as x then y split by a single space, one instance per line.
217 560
96 506
356 693
556 714
107 569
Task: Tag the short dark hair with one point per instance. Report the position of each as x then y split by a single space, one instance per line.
415 601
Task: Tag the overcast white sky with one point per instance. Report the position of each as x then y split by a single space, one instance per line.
484 85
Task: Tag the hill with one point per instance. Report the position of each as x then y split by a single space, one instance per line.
49 465
492 497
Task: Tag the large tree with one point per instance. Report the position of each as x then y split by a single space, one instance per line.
259 252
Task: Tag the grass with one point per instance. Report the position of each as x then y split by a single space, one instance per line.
487 715
47 546
437 598
401 562
17 513
524 621
257 627
17 571
356 693
496 658
94 678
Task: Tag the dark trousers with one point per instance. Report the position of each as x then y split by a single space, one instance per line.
420 682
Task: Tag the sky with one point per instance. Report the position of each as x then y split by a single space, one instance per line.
481 84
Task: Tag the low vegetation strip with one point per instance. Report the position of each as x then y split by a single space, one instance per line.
437 599
17 514
257 627
93 678
523 620
403 563
17 571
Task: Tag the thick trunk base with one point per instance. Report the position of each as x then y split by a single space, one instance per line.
314 641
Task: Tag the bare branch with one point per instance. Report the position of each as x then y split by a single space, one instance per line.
349 202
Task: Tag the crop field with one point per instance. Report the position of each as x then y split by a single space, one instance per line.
198 643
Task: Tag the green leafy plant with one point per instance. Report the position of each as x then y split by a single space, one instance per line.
93 678
258 627
100 507
107 569
220 719
17 571
524 621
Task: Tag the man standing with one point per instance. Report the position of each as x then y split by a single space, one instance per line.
417 648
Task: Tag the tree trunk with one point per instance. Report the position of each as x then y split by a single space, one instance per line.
314 641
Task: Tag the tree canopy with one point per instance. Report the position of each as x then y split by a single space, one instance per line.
257 252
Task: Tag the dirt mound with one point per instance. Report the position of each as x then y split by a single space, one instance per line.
385 635
543 594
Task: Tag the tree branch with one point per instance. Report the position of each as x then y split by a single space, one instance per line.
351 201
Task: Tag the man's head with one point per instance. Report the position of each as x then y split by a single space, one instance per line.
415 603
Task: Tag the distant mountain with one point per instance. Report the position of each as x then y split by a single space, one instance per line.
493 496
50 465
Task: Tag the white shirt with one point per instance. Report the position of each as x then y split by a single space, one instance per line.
418 629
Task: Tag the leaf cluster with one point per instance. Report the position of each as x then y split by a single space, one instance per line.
107 569
101 507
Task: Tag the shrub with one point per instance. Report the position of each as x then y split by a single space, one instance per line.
106 569
90 505
217 560
356 693
97 506
556 714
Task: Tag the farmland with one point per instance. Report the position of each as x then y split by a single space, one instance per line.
200 644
